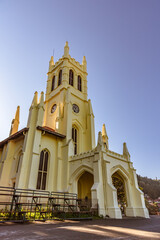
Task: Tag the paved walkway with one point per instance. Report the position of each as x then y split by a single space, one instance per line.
91 230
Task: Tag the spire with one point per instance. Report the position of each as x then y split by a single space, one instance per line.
51 63
84 63
99 139
40 110
17 114
125 151
35 99
32 107
41 100
15 122
105 136
100 145
66 50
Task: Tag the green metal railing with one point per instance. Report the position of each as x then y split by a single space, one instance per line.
30 205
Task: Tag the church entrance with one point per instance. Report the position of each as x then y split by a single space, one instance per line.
85 184
119 183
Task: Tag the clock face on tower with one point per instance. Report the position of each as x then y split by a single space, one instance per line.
53 109
75 108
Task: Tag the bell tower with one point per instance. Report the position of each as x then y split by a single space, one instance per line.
67 108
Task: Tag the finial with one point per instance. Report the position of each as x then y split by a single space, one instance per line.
125 151
84 60
100 138
41 99
105 136
35 99
84 63
66 50
51 63
15 122
17 113
104 132
52 60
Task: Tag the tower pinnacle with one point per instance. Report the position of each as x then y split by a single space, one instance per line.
35 99
84 63
105 136
15 122
66 50
41 99
125 151
51 63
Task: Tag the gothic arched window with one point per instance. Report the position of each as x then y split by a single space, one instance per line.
42 171
60 78
75 137
53 83
79 83
71 76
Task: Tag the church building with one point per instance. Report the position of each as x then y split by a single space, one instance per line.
57 151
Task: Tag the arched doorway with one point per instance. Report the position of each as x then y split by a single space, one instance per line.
119 183
85 184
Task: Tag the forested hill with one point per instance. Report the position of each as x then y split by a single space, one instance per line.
149 186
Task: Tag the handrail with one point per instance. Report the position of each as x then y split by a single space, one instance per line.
32 204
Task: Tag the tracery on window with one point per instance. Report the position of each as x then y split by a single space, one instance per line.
42 171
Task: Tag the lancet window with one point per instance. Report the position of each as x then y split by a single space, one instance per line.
75 137
53 83
60 78
71 76
42 171
79 83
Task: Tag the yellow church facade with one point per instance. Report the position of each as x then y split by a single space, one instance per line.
57 151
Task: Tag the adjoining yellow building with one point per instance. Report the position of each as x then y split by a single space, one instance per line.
57 150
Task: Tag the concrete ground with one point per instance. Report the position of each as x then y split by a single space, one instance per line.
127 228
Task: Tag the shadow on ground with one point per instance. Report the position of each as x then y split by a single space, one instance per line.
127 228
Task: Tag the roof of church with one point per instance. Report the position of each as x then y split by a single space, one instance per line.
51 131
24 130
13 136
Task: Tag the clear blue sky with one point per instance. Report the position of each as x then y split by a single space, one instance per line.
121 42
